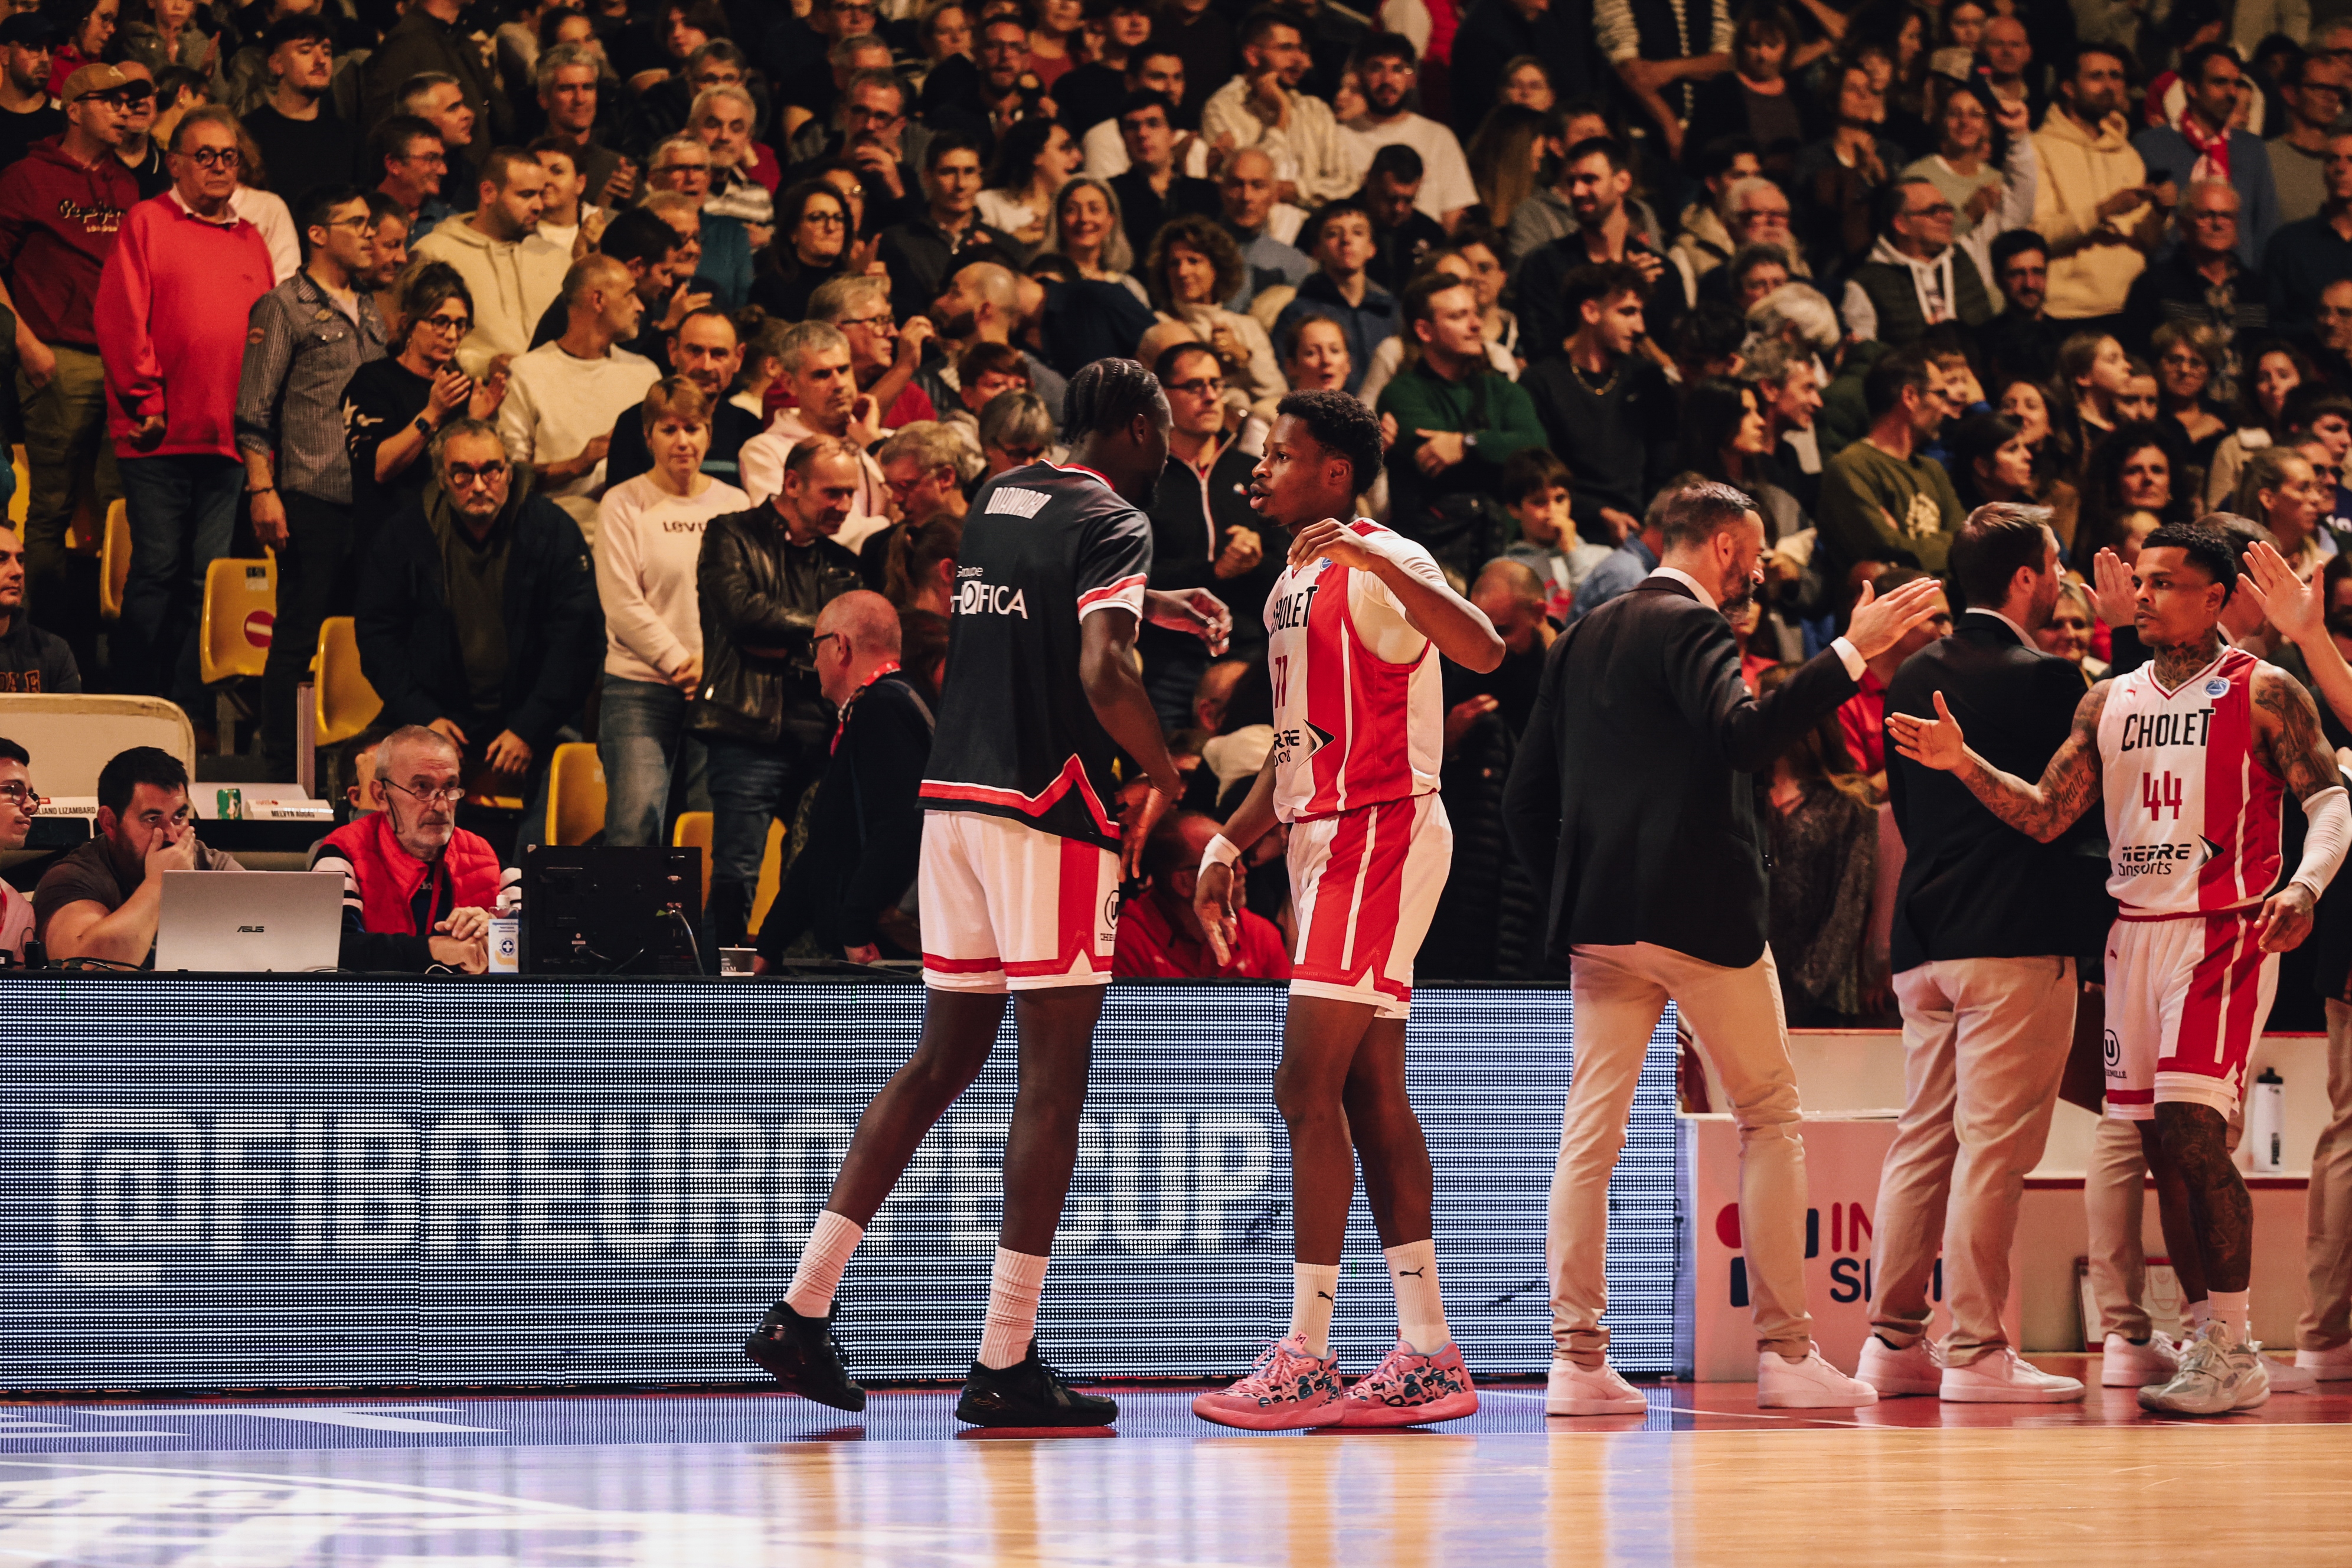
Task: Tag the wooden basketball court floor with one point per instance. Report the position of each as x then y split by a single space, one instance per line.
721 1480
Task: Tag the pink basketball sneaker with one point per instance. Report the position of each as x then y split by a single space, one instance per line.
1286 1389
1406 1390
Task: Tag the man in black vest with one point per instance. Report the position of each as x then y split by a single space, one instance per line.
1633 807
1987 923
1916 277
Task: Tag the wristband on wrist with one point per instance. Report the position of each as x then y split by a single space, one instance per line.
1221 851
263 490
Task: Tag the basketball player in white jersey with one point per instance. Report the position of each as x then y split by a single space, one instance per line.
1356 625
2191 753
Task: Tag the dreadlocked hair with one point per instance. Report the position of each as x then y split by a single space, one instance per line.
1107 395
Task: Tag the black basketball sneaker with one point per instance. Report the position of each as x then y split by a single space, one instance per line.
802 1355
1029 1393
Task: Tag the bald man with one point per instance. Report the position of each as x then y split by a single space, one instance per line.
1159 934
1512 596
984 303
562 397
866 826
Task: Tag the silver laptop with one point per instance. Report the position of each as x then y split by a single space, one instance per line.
246 921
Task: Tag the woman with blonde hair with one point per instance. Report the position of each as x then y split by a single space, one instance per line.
1194 265
648 542
1085 228
1506 156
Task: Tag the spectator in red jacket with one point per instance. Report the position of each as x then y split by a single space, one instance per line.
61 208
1160 937
172 303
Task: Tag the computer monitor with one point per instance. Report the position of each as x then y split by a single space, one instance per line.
608 910
240 922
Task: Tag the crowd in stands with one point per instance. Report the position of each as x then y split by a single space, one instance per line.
626 370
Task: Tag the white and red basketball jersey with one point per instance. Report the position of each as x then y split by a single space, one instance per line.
2192 812
1358 704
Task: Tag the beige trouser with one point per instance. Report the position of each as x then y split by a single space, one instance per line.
1984 1045
2328 1242
2115 1209
1734 1016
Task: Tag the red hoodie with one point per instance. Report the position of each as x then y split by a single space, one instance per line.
172 304
58 226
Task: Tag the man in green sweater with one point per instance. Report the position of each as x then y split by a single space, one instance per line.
1458 421
1881 499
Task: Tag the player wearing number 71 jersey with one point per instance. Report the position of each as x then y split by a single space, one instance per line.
2191 755
1355 626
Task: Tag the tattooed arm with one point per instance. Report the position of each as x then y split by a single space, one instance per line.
2286 733
2042 811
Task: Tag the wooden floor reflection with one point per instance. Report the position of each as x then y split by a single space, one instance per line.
1707 1479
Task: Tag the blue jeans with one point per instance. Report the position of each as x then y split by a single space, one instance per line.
751 784
183 513
640 733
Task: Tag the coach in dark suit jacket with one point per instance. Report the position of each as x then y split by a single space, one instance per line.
1986 925
1633 805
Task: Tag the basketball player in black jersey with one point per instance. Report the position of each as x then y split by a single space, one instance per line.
1022 860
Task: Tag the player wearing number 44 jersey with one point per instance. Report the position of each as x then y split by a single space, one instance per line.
2191 755
1356 625
1021 862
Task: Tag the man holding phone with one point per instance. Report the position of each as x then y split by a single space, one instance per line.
2095 205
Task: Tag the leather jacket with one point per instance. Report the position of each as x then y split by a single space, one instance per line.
760 597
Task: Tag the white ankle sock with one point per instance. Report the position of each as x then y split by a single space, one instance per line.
831 1241
1014 1290
1313 1291
1421 1310
2233 1311
2200 1314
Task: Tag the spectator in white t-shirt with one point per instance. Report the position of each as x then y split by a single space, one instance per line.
562 397
1385 71
649 537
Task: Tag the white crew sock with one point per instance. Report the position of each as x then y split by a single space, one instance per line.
1421 1311
1014 1290
2200 1314
831 1241
2233 1311
1313 1291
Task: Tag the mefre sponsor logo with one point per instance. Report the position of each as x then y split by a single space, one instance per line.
145 1194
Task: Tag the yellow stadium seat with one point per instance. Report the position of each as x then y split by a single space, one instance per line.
771 873
113 561
346 703
239 611
20 500
693 832
575 794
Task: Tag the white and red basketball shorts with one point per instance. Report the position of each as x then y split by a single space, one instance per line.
1008 908
1365 885
2186 996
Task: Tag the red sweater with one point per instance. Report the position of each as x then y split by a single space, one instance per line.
172 309
58 226
1150 947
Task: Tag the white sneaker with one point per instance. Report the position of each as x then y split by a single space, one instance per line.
1811 1383
2005 1377
2123 1364
1917 1370
2333 1365
2215 1378
2286 1376
1572 1390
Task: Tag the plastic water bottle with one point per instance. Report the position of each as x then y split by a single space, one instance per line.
2266 1121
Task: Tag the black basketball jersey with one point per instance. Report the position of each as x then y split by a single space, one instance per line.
1043 546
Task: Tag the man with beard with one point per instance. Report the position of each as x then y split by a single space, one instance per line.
981 304
304 143
28 112
1386 71
2094 205
1598 176
417 888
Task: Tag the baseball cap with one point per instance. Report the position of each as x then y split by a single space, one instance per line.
29 29
94 78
